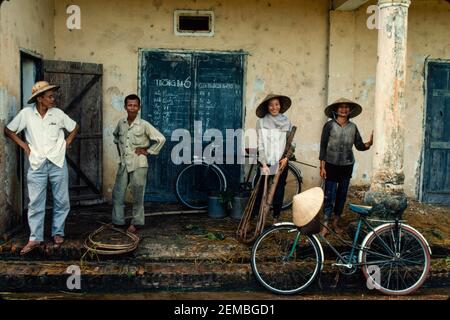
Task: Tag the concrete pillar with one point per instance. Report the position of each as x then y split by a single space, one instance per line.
386 191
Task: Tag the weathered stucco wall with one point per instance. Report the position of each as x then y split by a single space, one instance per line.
428 36
352 48
287 46
286 42
24 24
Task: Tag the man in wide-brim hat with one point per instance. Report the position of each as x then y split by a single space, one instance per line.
45 147
336 155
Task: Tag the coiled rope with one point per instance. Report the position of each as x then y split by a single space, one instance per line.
102 248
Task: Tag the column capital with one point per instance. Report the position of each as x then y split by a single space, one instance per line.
393 3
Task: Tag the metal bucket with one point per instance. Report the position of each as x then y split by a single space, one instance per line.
239 202
215 208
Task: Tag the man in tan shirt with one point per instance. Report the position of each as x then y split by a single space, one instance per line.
133 137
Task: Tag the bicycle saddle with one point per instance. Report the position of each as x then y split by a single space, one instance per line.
363 210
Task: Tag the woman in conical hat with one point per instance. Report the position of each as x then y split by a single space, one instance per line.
273 127
336 156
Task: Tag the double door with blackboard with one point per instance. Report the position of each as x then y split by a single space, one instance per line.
178 89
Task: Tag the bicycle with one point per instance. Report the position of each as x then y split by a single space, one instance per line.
197 180
394 257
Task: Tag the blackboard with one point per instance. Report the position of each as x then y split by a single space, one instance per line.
219 95
167 83
180 88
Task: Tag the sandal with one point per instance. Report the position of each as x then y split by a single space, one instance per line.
31 245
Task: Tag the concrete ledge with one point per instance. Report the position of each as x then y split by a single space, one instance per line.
114 277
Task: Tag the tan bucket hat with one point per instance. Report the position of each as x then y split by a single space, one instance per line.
356 108
285 102
306 206
39 88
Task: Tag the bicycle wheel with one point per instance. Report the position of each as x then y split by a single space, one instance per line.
293 185
195 182
402 256
284 260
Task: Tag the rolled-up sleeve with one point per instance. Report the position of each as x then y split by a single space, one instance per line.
68 123
155 136
116 133
18 123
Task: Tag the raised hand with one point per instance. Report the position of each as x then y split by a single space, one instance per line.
370 142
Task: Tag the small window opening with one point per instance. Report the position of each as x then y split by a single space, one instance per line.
194 23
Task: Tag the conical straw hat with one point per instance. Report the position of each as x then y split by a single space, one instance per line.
306 206
356 108
285 102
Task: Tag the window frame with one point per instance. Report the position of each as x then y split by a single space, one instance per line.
177 13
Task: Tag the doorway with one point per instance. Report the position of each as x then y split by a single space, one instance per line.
436 165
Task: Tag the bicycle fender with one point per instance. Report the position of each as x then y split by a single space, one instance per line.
297 170
322 256
363 245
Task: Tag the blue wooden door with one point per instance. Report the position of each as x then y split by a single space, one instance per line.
166 91
436 179
218 102
180 88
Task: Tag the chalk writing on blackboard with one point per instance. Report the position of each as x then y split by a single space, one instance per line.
174 83
208 85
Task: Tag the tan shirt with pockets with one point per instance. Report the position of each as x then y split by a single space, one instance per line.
140 134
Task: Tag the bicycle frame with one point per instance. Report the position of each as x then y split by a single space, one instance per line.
354 246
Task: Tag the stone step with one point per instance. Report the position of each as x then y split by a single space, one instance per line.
50 276
163 250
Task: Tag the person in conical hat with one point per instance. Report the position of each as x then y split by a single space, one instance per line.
45 147
336 156
273 127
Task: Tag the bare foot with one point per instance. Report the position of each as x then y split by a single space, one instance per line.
131 229
324 230
336 227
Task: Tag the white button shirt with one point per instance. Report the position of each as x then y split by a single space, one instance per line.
45 136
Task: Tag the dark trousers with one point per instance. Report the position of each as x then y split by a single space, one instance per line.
335 197
278 197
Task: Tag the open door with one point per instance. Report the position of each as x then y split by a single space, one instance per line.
80 96
30 72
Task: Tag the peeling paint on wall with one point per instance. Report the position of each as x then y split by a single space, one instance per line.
258 88
116 97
